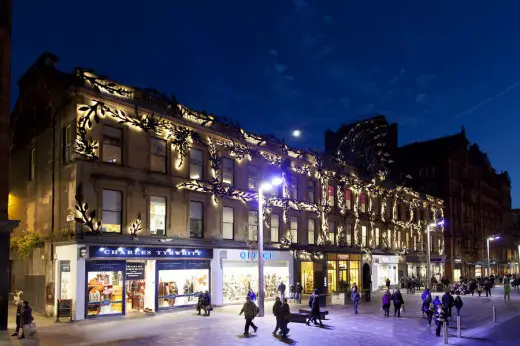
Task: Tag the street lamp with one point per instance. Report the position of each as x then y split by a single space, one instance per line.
428 269
488 240
265 186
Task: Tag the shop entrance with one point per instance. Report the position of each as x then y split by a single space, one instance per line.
135 286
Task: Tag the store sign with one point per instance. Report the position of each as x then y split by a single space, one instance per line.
385 259
147 252
135 271
248 255
65 266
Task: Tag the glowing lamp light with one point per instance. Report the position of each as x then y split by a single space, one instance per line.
101 249
276 181
297 133
266 186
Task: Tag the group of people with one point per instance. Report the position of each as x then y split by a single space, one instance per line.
295 292
441 309
204 303
24 319
397 298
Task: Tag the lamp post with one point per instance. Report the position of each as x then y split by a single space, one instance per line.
489 264
428 269
265 186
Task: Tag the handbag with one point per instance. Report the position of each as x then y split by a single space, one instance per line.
30 329
402 309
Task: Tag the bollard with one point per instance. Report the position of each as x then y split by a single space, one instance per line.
459 329
494 314
445 332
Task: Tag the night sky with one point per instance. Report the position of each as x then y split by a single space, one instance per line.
277 65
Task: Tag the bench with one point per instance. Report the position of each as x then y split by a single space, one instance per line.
299 317
323 313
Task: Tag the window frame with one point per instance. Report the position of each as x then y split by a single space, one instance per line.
165 156
294 232
192 163
249 224
311 191
68 143
103 144
223 170
334 233
250 168
277 239
32 164
332 202
120 192
311 221
150 215
292 187
201 220
224 222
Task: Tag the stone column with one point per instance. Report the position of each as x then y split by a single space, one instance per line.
6 228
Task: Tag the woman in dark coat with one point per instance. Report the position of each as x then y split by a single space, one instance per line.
19 309
398 300
314 304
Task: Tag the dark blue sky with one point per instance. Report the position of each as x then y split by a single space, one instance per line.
276 65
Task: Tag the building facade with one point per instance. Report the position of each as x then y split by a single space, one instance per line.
477 200
142 202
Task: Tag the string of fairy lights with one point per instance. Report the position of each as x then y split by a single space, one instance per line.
247 146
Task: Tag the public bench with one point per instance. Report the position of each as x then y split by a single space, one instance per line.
323 313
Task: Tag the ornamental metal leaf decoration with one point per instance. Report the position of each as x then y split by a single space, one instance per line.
137 226
100 83
86 146
87 217
171 101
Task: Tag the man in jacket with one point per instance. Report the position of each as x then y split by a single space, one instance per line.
250 310
447 303
355 299
314 304
285 317
440 318
19 308
299 290
281 290
424 297
398 300
277 314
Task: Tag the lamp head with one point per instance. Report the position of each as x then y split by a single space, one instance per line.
266 186
276 181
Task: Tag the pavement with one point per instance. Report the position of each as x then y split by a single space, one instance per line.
225 327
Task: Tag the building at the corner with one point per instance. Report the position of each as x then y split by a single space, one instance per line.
139 203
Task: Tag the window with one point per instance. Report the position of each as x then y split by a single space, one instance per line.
32 164
377 237
196 164
252 173
332 233
292 185
398 240
407 240
157 215
68 143
112 144
377 205
252 224
311 191
196 220
157 155
275 228
389 238
112 211
311 229
349 234
363 202
364 236
228 167
348 199
439 243
414 243
294 229
228 220
332 196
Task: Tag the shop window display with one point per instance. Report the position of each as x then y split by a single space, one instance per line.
105 288
180 283
307 270
239 277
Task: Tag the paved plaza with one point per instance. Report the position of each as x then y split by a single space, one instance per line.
225 327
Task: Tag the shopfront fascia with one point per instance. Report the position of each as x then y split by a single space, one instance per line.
343 270
112 280
384 267
235 271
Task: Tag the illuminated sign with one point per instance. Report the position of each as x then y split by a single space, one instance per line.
147 252
254 255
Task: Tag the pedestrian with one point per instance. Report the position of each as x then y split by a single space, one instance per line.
472 287
447 303
314 304
251 295
398 300
507 292
26 319
250 310
458 303
281 290
277 314
292 292
429 309
355 299
19 309
286 317
206 303
487 286
479 289
386 300
424 297
299 290
440 318
387 282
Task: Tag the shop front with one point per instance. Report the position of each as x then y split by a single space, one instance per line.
342 272
384 267
234 272
112 280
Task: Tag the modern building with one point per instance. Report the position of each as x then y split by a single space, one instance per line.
6 225
140 202
477 200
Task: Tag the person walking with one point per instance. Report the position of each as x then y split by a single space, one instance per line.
487 286
292 292
250 310
386 300
429 309
398 300
26 318
355 296
281 290
507 291
314 304
440 318
299 290
447 303
206 303
277 312
458 303
387 282
285 318
424 296
19 309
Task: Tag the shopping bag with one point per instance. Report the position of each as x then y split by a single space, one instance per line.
30 329
403 309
